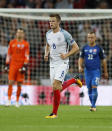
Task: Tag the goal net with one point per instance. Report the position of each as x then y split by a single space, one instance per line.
35 23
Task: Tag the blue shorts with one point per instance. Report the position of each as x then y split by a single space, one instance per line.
92 77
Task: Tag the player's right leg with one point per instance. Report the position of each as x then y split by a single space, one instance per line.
19 79
11 82
88 79
18 93
52 75
57 85
11 77
95 83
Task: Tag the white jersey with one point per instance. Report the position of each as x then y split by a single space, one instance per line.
59 42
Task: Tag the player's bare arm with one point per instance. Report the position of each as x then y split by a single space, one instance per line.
74 50
80 65
104 62
46 52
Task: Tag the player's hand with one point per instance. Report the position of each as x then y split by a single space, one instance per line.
6 68
23 69
46 58
63 56
80 70
106 75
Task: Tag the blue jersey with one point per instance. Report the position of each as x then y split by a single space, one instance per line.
92 56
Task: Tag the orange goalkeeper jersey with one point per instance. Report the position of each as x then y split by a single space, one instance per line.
18 53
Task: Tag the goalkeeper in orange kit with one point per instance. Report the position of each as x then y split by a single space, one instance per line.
16 63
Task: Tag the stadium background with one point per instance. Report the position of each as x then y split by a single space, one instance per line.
37 84
37 75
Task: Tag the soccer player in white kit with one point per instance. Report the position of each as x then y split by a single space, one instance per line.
57 45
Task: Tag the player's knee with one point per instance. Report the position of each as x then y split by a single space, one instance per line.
57 85
19 84
11 82
54 85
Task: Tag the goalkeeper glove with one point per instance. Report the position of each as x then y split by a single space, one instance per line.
23 69
6 68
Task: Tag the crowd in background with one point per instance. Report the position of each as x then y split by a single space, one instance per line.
35 34
58 4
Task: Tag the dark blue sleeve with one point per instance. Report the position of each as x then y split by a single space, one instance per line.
82 53
102 53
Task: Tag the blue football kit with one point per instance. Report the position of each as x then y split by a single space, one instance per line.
92 56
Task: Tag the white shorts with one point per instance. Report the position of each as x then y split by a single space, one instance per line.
58 72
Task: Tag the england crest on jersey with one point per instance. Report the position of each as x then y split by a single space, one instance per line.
18 45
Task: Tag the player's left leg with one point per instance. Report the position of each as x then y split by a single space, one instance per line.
18 93
71 81
19 79
90 94
94 98
95 82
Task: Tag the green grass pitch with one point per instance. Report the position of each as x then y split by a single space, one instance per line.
70 118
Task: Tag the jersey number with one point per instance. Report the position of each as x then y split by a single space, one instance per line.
90 56
54 46
62 74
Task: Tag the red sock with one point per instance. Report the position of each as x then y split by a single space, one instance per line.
56 101
9 92
18 93
68 83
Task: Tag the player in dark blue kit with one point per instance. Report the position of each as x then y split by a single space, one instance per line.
92 55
